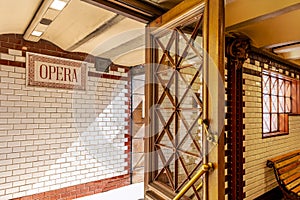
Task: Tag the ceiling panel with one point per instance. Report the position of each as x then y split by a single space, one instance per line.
113 37
76 21
278 30
241 11
134 57
16 15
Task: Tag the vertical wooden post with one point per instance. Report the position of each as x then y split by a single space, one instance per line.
236 53
149 101
149 158
214 95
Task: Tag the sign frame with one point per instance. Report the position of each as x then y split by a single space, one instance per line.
66 73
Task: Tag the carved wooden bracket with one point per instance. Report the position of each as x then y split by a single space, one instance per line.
237 51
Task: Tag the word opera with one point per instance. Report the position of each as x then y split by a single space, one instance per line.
55 72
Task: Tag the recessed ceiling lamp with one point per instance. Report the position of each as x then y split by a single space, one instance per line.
45 15
36 33
58 4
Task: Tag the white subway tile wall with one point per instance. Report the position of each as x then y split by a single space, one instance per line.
258 178
55 138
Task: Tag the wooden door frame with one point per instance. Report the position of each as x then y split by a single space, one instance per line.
214 27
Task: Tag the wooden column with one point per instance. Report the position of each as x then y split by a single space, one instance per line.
149 159
236 53
214 95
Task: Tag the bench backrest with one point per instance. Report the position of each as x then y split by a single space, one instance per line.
287 171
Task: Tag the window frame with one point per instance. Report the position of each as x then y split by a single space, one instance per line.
282 116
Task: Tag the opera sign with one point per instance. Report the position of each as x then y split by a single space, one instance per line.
55 72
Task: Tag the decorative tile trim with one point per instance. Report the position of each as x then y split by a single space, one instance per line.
108 76
273 63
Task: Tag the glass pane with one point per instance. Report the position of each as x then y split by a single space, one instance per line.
165 140
190 118
162 44
288 89
183 86
266 104
189 163
274 122
165 77
274 105
266 123
187 76
266 84
181 132
164 113
281 87
281 104
288 105
167 170
274 86
190 101
167 154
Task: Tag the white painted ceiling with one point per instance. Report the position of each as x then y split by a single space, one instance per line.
82 27
272 25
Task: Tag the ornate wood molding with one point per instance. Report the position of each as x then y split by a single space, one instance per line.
237 50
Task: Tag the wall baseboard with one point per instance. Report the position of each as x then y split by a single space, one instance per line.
81 190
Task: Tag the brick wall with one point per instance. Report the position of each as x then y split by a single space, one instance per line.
52 139
258 178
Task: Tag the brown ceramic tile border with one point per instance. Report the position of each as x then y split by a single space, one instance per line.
115 68
271 60
81 190
108 76
12 63
16 42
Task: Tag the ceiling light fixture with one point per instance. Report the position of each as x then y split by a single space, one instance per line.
36 33
46 14
58 4
287 48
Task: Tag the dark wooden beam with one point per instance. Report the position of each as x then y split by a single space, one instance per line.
141 11
143 6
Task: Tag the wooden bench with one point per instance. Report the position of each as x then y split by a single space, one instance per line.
287 172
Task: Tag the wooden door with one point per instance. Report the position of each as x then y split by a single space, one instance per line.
176 144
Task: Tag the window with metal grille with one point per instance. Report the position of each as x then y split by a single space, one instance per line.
277 104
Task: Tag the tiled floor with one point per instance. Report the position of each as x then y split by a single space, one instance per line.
131 192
